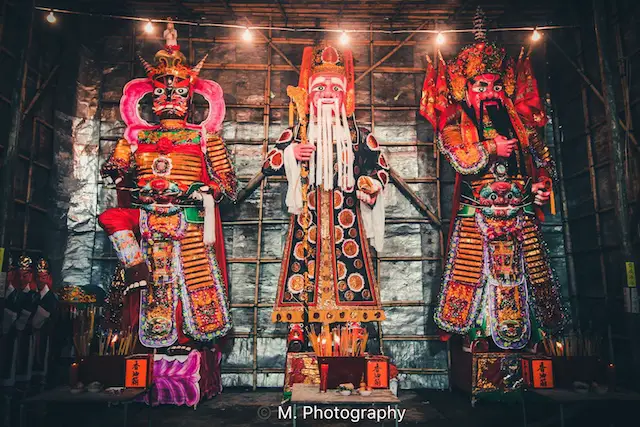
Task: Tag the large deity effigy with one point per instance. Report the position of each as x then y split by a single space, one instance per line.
336 173
169 239
498 281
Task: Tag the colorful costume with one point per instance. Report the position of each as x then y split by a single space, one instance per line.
497 280
335 198
43 319
22 301
177 173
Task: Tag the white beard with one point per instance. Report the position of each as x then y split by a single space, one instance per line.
329 126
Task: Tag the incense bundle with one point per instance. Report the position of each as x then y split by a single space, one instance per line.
571 345
117 343
83 321
342 341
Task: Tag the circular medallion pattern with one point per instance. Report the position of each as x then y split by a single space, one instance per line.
342 270
346 218
298 251
161 166
296 283
350 248
312 234
356 282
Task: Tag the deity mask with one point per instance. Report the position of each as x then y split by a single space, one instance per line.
485 90
172 83
327 75
327 88
171 97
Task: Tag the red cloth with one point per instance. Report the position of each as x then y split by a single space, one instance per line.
118 219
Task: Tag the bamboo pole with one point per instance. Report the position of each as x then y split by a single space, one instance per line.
413 197
388 55
579 69
593 183
25 9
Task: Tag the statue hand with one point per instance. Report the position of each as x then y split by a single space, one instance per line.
303 152
542 195
367 198
111 174
504 146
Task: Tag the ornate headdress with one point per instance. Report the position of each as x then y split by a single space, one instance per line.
171 60
42 266
25 263
481 57
329 59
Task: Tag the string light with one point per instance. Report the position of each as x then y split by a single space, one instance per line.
293 29
148 28
536 35
51 18
344 38
440 39
246 35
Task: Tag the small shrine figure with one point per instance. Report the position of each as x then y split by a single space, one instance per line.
43 319
336 174
169 239
497 279
10 313
170 36
27 304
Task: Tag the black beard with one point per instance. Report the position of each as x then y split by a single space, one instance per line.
499 117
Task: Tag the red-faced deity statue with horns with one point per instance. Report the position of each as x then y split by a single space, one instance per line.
169 239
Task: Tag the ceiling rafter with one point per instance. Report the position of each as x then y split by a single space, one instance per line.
228 8
282 11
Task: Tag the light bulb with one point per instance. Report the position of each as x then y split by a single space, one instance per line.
536 35
247 36
148 28
440 39
51 18
344 38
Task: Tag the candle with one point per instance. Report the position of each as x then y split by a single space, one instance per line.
74 374
324 373
611 377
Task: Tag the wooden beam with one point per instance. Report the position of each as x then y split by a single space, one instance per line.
228 8
40 91
413 197
25 11
594 89
274 47
396 12
388 55
400 183
282 11
458 11
248 189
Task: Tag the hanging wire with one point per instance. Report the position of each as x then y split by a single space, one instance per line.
291 29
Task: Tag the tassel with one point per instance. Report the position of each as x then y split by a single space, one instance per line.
290 114
552 203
